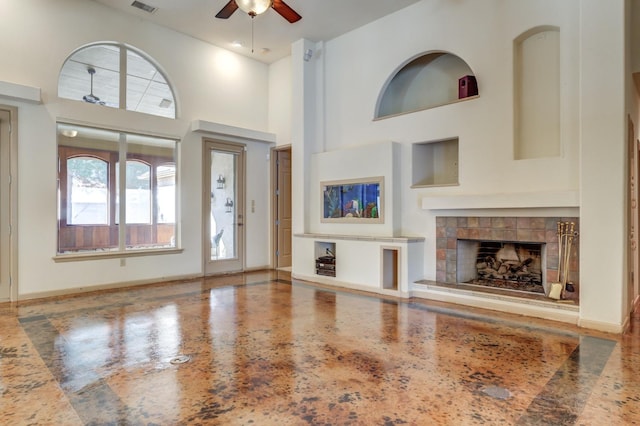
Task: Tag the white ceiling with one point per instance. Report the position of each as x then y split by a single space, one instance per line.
321 20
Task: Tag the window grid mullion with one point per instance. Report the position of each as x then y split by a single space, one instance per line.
123 77
122 189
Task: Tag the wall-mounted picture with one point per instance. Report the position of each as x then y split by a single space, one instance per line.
353 200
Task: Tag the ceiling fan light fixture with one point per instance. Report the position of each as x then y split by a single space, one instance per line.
254 7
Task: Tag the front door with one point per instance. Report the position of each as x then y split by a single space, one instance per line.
5 206
224 207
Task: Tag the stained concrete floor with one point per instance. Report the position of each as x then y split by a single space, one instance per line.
261 349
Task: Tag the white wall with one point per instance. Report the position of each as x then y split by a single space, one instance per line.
603 121
280 100
482 36
210 84
355 67
367 161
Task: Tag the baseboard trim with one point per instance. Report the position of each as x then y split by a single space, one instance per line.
350 286
102 287
607 327
258 268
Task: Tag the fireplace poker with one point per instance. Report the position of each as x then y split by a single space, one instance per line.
556 288
570 237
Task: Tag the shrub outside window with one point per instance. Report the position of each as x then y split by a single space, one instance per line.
93 191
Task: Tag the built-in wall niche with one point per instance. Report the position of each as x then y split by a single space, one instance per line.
390 273
427 81
537 93
325 258
434 163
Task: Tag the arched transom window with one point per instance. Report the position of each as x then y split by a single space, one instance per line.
114 75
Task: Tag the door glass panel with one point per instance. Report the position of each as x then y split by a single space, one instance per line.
223 205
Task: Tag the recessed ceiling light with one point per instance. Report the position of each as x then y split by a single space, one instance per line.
236 43
70 133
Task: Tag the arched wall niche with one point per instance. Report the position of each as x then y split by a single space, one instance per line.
537 91
425 81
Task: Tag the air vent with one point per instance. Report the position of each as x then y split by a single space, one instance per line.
143 6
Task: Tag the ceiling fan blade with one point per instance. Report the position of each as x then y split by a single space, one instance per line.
227 10
287 13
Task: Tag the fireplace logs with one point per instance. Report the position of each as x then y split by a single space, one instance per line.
515 266
513 270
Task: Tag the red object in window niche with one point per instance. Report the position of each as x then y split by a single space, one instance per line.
467 86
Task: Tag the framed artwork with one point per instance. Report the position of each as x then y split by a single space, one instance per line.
353 200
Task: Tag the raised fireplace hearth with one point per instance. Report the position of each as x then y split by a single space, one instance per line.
511 253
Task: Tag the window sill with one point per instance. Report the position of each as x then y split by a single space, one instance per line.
76 257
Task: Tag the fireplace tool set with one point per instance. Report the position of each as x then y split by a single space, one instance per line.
566 234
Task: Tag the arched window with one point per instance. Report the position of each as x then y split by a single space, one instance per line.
96 73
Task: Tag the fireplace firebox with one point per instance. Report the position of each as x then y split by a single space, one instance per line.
514 253
501 264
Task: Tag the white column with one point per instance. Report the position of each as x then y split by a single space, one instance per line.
603 241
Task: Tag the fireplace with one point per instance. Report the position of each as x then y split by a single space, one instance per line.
510 265
513 253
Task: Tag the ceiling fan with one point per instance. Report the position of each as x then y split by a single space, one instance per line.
256 7
91 98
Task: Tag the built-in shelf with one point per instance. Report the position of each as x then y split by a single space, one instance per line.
378 239
390 268
566 199
454 101
384 265
427 81
325 254
217 129
434 163
20 92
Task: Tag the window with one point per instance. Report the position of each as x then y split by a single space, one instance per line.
87 189
93 192
95 74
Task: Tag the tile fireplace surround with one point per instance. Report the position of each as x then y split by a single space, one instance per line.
508 229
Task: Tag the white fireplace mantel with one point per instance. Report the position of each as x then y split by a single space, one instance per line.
518 200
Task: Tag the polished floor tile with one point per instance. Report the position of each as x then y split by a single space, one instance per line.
261 349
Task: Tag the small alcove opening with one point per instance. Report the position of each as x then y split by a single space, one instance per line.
390 272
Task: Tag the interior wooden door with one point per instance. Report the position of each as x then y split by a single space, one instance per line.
283 201
632 218
5 207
